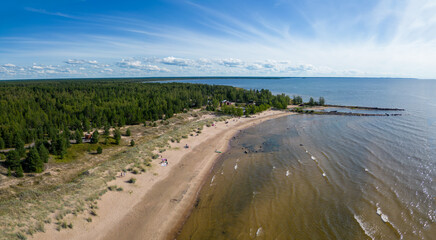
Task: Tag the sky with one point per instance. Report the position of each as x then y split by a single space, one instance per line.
291 38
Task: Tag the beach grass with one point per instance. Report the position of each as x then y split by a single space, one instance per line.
26 207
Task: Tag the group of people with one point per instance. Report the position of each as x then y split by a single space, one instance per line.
164 162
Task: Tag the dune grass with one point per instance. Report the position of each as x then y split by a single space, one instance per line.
31 207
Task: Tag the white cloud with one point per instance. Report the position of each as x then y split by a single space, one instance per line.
37 67
136 64
176 61
230 62
74 61
125 63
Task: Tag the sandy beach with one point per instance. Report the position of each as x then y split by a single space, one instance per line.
157 204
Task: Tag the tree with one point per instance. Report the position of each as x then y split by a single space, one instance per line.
117 136
297 100
106 132
43 153
99 150
19 147
78 136
128 133
19 172
321 101
311 102
132 143
59 146
2 143
86 125
13 160
33 162
95 137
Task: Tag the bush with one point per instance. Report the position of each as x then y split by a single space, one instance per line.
128 133
99 150
21 236
120 189
19 172
132 180
89 219
132 143
113 187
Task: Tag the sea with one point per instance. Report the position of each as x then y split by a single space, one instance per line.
327 177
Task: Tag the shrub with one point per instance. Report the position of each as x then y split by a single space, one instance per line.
99 150
93 212
128 133
89 219
21 236
132 180
184 136
111 188
132 143
135 171
120 189
40 227
70 225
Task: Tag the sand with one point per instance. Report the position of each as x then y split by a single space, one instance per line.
157 204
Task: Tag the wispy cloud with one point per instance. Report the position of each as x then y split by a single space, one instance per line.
388 38
43 11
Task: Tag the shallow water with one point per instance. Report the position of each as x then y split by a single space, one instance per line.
329 177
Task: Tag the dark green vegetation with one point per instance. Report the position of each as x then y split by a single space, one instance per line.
51 115
297 100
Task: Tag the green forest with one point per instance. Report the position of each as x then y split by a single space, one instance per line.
50 113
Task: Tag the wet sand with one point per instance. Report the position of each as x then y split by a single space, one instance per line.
156 205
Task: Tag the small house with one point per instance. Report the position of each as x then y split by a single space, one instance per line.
225 102
87 138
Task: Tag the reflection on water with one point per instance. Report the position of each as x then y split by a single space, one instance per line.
328 177
318 177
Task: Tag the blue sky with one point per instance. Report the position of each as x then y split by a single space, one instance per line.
85 38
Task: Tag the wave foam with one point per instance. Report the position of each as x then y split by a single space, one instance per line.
365 227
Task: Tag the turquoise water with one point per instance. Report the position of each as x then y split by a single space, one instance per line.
327 177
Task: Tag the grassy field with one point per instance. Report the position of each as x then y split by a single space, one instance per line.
73 184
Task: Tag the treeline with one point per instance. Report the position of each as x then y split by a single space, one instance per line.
55 112
297 100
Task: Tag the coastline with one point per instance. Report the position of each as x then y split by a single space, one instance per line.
156 206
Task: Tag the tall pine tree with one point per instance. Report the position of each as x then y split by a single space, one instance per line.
33 162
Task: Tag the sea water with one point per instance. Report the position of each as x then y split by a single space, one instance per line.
327 177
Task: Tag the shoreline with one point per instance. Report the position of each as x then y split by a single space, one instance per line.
158 204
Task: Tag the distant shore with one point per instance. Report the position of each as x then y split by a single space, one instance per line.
156 206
